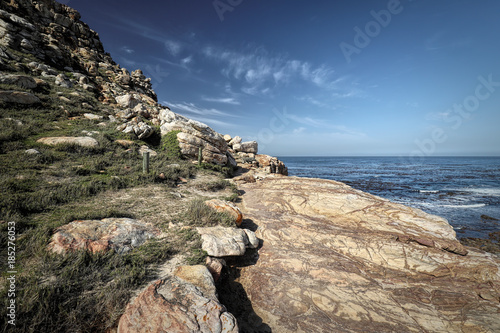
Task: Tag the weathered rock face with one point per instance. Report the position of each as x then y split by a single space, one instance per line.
194 135
224 242
18 97
335 259
182 303
272 164
118 234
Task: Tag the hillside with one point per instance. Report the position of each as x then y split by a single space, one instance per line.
73 129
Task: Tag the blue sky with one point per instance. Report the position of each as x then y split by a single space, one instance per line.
339 78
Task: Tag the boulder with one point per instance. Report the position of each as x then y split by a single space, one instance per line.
83 141
246 147
271 164
227 137
118 234
127 101
335 259
22 81
215 266
185 302
63 81
92 116
235 140
224 242
226 207
18 97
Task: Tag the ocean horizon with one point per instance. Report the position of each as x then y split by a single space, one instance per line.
463 189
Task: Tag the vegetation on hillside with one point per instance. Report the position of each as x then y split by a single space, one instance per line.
41 191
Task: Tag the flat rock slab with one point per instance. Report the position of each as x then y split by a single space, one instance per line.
83 141
18 97
335 259
225 242
178 304
118 234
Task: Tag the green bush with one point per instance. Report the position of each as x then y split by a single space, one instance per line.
170 145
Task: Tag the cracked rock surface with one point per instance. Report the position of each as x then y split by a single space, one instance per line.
335 259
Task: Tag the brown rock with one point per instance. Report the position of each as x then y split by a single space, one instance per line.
215 266
330 262
83 141
119 234
226 207
175 305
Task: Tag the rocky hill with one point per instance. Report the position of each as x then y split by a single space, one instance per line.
49 42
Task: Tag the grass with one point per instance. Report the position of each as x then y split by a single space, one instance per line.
80 291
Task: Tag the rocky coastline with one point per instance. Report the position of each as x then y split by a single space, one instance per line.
302 255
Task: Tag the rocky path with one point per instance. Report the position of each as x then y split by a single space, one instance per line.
335 259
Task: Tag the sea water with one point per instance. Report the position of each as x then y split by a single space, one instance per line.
464 190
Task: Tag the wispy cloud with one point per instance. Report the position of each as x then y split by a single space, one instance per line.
224 100
173 47
324 124
127 49
260 71
442 40
208 116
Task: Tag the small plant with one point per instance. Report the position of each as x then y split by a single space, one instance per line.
200 215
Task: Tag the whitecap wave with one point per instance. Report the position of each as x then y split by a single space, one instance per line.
464 206
429 191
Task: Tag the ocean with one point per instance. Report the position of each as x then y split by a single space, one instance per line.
464 190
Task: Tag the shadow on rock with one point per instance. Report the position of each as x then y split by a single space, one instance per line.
234 297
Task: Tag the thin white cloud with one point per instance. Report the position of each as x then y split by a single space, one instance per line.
259 71
224 100
127 49
173 47
324 124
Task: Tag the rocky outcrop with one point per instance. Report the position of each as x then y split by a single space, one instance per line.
83 141
335 259
118 234
184 302
224 242
227 207
194 135
271 164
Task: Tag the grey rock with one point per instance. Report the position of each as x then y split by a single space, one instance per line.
18 97
83 141
22 81
222 242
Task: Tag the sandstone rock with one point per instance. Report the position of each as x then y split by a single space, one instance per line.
272 164
22 81
247 147
145 148
198 275
331 262
175 305
215 266
63 81
194 135
224 242
227 137
235 140
118 234
143 131
226 207
92 116
127 101
32 151
125 143
18 97
83 141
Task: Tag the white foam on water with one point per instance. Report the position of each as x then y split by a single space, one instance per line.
464 206
429 191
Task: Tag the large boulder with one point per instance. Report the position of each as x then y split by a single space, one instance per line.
335 259
271 164
246 147
83 141
185 302
118 234
224 242
194 135
18 97
22 81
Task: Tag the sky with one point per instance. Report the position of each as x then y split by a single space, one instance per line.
319 78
